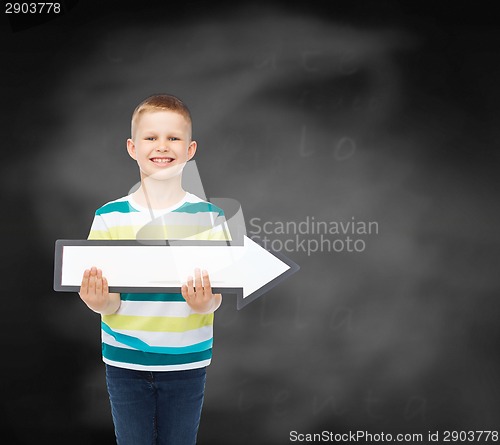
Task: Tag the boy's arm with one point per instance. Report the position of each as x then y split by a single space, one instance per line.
94 292
198 292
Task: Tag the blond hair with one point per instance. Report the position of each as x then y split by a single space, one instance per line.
160 102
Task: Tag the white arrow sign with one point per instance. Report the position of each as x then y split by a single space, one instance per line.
247 270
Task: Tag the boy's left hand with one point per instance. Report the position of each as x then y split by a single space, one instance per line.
198 294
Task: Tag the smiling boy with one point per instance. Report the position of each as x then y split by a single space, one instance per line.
156 346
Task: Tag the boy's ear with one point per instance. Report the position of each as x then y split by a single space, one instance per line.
192 149
131 149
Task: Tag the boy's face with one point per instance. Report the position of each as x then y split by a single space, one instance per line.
162 144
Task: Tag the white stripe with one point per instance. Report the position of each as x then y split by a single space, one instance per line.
184 218
137 367
99 223
170 339
174 218
155 308
218 228
110 340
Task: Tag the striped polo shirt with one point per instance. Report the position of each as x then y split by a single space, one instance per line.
151 331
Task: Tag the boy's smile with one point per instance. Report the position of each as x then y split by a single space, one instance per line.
162 144
162 162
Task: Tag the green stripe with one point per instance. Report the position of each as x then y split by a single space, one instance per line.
120 206
150 358
195 207
152 297
137 343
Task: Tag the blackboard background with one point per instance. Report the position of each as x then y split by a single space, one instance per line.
379 111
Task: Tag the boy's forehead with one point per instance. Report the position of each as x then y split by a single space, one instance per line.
162 117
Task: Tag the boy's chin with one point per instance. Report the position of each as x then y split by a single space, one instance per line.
166 173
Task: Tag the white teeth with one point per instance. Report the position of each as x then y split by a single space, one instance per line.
162 160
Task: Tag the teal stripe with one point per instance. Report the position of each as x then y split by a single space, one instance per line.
120 206
137 343
196 207
152 297
151 358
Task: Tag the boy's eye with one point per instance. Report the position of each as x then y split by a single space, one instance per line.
150 138
173 138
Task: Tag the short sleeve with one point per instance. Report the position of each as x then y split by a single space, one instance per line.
220 229
99 230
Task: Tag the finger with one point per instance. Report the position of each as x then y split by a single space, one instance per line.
98 282
85 282
184 291
105 286
190 288
198 283
93 273
206 282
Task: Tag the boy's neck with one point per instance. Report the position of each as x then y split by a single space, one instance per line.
159 194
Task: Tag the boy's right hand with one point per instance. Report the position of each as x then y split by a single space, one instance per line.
95 293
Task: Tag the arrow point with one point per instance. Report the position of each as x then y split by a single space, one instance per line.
243 300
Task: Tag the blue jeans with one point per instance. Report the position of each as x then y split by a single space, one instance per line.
161 408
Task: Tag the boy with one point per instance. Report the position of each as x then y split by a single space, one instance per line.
156 346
